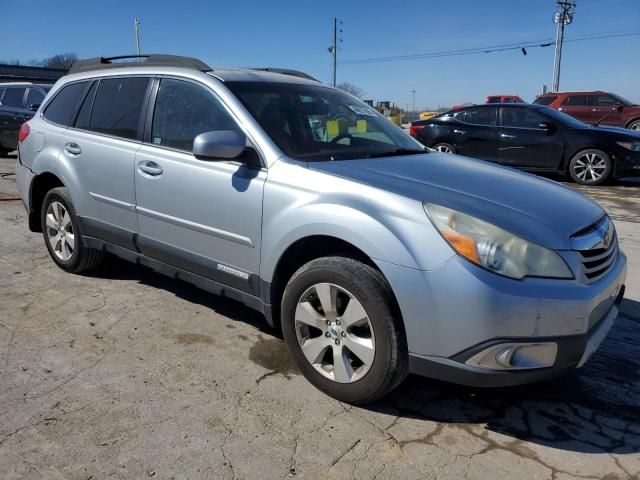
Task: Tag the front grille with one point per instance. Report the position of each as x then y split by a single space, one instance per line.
598 249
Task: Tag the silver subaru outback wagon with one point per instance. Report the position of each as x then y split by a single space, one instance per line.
376 257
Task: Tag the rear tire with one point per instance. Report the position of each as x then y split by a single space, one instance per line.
590 167
61 232
444 147
362 316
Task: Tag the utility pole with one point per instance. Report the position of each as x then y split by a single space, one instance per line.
564 16
333 49
413 109
136 25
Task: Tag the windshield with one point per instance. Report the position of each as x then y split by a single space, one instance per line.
564 119
310 122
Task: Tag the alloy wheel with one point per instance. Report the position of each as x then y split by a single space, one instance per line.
635 126
334 333
443 149
590 167
60 231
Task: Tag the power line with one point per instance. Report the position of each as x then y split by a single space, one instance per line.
486 49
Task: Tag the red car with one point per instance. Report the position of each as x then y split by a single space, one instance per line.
503 99
591 107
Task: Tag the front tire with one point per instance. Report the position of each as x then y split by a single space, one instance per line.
342 328
62 234
634 125
590 167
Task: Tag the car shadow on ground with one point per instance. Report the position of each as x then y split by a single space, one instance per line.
594 410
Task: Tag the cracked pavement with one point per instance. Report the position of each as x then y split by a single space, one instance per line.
124 373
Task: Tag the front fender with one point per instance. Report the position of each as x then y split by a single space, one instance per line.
385 226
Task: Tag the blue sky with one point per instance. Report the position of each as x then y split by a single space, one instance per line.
296 34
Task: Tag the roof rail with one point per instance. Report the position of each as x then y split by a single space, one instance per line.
286 71
100 63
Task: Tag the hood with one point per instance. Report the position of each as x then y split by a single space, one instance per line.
620 132
533 208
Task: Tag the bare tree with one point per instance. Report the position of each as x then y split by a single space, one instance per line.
350 88
62 60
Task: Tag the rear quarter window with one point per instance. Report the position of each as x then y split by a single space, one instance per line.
63 106
548 100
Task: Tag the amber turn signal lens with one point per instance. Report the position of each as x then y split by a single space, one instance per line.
465 246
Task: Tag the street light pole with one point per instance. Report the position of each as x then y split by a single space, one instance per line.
413 109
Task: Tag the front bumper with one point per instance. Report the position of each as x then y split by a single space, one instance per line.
573 352
458 310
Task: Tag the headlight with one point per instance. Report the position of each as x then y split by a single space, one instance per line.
633 146
495 249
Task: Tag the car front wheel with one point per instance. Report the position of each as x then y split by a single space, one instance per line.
341 327
590 167
635 125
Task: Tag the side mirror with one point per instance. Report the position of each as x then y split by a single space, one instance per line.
34 107
619 107
547 127
219 145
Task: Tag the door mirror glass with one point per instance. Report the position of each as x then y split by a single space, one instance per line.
219 145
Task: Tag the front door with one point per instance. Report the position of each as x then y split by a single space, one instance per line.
200 215
523 143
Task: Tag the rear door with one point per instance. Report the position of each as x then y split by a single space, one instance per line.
100 149
475 133
523 143
12 116
576 106
204 216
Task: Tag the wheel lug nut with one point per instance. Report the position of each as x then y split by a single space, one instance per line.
328 322
327 334
337 322
337 341
344 334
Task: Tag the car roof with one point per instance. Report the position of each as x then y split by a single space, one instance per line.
501 105
549 94
24 84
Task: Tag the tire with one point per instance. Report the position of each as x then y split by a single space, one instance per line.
3 152
378 334
634 125
62 234
444 147
590 167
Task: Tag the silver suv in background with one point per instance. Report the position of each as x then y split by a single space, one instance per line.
376 257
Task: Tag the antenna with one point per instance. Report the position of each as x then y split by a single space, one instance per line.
136 25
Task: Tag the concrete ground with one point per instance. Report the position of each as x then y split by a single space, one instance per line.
123 373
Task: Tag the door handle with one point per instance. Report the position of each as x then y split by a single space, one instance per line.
459 132
72 148
561 109
150 168
595 110
507 136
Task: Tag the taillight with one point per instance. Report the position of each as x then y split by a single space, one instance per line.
24 132
414 129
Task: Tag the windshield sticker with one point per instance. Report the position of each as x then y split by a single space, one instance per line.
363 110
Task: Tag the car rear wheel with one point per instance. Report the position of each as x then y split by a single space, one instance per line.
590 167
62 235
635 125
444 147
343 331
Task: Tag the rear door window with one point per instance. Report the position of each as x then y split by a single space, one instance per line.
13 98
64 105
117 108
575 101
481 116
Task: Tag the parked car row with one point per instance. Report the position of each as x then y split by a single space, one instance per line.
535 138
376 256
18 103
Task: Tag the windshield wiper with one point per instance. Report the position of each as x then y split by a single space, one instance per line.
397 152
